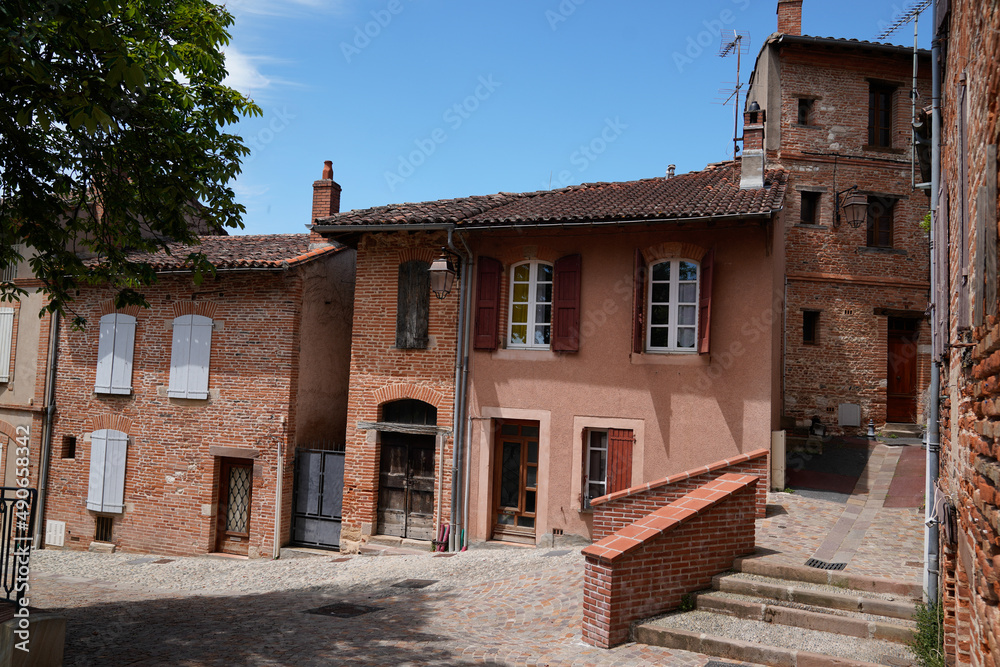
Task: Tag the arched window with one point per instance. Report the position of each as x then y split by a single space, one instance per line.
409 411
672 306
530 321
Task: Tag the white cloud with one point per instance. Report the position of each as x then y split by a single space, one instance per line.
243 73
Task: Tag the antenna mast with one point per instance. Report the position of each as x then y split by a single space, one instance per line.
738 43
911 14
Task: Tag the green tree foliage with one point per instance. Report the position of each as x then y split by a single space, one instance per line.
112 137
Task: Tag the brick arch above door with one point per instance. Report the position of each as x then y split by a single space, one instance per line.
394 392
115 422
8 430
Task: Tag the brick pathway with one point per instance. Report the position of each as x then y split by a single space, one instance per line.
533 619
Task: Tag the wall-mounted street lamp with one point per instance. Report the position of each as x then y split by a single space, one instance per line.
854 205
443 273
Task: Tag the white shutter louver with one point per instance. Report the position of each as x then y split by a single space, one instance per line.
6 341
190 356
106 487
114 354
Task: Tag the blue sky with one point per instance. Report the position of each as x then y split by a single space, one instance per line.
415 100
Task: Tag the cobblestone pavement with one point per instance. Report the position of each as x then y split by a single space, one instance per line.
529 618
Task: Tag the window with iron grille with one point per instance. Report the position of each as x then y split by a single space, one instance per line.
102 528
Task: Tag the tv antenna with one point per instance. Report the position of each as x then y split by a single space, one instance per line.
738 43
911 14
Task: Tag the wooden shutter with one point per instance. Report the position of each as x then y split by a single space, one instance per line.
990 223
487 304
979 262
190 356
963 208
943 277
620 443
106 486
95 485
566 304
413 294
6 342
705 301
114 354
638 303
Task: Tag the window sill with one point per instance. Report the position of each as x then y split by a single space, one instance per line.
524 354
807 127
670 359
881 251
113 392
163 391
809 225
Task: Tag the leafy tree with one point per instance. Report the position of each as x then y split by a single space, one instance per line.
112 119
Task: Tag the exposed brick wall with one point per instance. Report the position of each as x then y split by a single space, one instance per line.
646 567
970 418
617 510
171 479
381 373
832 269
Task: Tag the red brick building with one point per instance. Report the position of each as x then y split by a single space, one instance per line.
837 116
597 337
177 424
967 308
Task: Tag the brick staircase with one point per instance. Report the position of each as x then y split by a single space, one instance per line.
793 616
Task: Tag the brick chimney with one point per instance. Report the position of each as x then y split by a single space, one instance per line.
326 200
752 163
790 17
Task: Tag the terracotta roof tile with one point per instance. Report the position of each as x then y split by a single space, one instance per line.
238 252
712 192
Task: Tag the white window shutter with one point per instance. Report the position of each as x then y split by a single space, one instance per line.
189 357
95 487
6 341
121 372
114 472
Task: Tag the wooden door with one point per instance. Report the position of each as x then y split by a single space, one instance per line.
515 480
901 371
235 495
406 486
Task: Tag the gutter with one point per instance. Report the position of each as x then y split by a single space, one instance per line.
50 410
458 535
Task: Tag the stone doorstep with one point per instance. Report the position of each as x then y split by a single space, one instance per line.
735 649
857 582
808 620
780 590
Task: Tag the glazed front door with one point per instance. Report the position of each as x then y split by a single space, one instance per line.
235 491
901 385
406 486
515 480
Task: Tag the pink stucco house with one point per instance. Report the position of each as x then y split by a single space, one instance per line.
595 338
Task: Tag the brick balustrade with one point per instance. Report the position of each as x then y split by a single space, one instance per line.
619 509
645 568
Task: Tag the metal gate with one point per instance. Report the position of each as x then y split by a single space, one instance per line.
319 492
17 516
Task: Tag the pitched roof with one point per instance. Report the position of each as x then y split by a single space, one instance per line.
262 251
712 192
883 47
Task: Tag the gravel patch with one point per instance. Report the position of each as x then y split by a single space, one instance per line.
868 650
373 574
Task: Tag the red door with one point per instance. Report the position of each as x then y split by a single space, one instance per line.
901 371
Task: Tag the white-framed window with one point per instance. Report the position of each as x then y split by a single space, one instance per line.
114 354
672 306
189 357
106 485
596 465
530 321
6 342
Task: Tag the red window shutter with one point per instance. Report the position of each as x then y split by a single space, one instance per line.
638 303
566 304
620 443
487 304
705 301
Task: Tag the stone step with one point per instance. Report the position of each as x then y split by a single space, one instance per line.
782 612
840 579
902 430
767 643
816 595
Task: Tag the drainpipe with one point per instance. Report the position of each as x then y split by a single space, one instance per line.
461 384
933 441
276 550
50 410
